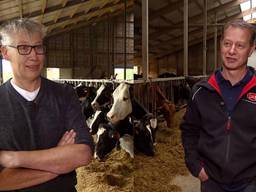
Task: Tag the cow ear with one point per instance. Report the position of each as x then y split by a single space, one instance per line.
115 135
153 123
136 132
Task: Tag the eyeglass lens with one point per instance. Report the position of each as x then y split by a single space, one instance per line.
26 49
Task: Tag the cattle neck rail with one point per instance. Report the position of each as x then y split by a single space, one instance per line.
175 89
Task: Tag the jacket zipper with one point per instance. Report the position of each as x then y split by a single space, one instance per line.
228 127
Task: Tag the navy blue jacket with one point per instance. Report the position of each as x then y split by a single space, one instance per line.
223 143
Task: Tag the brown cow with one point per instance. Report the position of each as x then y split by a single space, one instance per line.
163 104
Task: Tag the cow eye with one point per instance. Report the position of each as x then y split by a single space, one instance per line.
125 99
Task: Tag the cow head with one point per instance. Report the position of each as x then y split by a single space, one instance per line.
98 118
122 105
103 96
143 137
107 139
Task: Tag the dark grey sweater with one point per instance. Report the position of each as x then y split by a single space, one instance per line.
40 124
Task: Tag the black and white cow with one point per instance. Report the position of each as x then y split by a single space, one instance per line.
122 105
98 118
103 97
125 105
107 139
111 135
87 109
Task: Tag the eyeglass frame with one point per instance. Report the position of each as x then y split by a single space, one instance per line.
31 47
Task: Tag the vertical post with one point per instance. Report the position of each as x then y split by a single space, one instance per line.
113 48
72 57
108 51
185 64
92 50
1 70
145 39
205 38
125 39
216 43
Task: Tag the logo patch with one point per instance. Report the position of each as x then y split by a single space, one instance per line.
251 96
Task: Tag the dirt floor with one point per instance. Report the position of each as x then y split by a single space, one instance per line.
165 172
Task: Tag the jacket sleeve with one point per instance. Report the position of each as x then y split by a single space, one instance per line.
190 130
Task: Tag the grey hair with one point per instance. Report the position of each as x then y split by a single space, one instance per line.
240 23
9 29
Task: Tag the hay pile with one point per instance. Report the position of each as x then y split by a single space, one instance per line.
120 173
113 175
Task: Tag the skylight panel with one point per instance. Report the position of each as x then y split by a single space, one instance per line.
245 6
247 17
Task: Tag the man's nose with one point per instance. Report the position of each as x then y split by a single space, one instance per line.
232 49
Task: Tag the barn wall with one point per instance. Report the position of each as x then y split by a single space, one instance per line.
153 69
252 60
174 62
66 73
93 51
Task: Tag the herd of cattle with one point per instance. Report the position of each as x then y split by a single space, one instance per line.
119 120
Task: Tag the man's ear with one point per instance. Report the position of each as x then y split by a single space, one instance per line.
4 52
252 50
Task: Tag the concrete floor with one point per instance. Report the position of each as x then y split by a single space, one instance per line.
187 183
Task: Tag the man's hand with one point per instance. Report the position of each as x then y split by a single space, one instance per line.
68 138
203 175
8 159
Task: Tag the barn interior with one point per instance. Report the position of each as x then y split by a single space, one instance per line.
134 41
89 39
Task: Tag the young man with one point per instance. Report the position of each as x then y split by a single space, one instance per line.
43 137
219 126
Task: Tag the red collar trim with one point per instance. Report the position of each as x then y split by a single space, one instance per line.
212 81
249 85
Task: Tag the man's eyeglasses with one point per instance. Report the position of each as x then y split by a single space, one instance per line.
26 49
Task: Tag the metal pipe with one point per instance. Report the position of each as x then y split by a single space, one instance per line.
216 44
125 56
145 39
205 38
1 70
185 65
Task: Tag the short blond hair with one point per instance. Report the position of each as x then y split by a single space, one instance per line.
240 23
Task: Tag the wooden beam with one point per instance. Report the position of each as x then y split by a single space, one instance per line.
82 15
103 3
64 3
166 9
57 16
194 19
83 22
178 48
198 5
44 5
53 8
74 10
21 8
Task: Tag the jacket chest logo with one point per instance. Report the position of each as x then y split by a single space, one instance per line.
251 96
